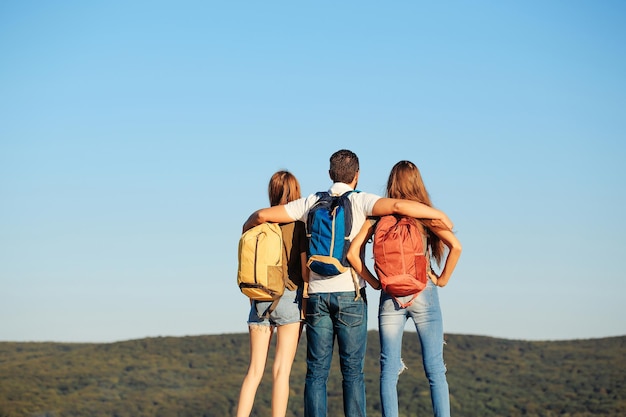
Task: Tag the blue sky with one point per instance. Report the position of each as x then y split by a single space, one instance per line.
137 137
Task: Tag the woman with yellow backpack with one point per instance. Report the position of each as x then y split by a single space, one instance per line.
286 317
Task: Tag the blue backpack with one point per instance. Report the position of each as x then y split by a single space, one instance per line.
328 226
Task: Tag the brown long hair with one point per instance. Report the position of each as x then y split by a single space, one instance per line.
283 188
405 182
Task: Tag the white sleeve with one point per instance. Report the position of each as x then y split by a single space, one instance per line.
298 209
369 200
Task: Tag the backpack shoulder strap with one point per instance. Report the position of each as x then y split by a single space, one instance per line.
275 302
272 307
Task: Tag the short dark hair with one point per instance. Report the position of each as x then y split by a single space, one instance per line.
344 165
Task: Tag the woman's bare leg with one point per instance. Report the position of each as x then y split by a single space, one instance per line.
260 338
287 339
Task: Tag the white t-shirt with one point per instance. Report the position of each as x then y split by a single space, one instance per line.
362 205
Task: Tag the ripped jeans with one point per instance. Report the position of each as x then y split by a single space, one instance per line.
426 315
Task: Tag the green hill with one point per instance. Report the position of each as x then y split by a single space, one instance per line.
200 376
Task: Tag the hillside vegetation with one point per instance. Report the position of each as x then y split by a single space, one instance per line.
200 376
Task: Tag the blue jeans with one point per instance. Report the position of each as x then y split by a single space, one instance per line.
287 310
330 315
426 314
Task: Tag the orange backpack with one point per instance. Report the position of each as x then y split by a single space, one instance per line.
401 257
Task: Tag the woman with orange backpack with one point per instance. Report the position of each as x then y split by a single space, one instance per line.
405 182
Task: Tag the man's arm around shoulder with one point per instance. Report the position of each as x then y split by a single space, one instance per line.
274 214
409 208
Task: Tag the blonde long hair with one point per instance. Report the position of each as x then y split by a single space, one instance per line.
405 182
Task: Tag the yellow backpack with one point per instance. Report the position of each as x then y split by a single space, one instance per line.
262 264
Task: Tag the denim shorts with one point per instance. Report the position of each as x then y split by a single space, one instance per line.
286 312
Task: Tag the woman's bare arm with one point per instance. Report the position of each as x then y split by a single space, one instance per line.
305 278
357 250
454 246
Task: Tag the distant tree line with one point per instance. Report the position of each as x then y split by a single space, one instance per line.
200 377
